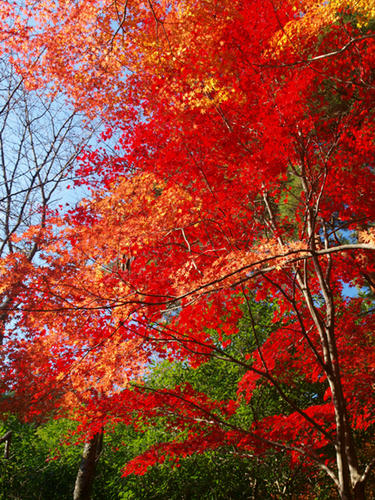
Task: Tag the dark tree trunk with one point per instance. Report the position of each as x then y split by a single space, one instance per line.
86 472
359 491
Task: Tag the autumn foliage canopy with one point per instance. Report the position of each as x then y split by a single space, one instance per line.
241 172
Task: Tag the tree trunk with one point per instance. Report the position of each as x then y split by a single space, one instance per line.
86 472
7 440
359 491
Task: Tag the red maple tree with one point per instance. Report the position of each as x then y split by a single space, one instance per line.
243 172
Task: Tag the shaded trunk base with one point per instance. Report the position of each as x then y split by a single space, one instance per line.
86 472
359 491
